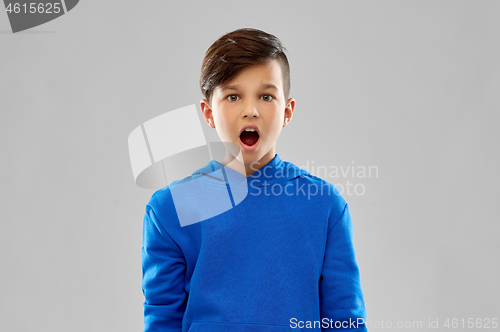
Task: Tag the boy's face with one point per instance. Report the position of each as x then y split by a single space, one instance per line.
254 98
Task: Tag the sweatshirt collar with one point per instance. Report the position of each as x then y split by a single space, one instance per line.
275 171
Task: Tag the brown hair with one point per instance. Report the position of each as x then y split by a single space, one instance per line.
235 51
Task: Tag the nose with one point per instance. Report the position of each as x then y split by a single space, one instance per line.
250 109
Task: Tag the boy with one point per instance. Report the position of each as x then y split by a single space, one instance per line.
282 257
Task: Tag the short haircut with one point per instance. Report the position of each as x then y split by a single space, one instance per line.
234 52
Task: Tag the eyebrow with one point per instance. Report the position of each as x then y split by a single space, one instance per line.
262 86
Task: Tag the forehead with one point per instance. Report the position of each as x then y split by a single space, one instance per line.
261 75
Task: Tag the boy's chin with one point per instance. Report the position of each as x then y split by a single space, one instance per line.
248 158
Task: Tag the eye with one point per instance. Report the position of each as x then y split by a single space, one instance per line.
230 97
269 97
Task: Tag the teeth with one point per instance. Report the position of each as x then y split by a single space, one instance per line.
249 129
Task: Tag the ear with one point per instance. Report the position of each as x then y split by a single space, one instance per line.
206 109
290 106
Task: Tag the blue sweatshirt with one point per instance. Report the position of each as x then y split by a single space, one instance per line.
274 254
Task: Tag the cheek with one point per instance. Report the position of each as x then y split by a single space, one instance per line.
277 120
224 124
274 129
223 120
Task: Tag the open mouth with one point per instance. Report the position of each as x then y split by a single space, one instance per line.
249 138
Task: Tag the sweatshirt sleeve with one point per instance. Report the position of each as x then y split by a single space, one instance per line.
341 296
163 270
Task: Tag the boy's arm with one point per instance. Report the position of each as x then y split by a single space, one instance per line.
163 269
341 296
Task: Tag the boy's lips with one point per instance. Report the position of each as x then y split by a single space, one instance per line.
247 140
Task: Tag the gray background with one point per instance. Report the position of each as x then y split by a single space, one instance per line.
411 87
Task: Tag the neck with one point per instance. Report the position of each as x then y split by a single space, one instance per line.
244 167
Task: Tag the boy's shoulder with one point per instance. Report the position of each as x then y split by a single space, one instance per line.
183 199
163 196
316 187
